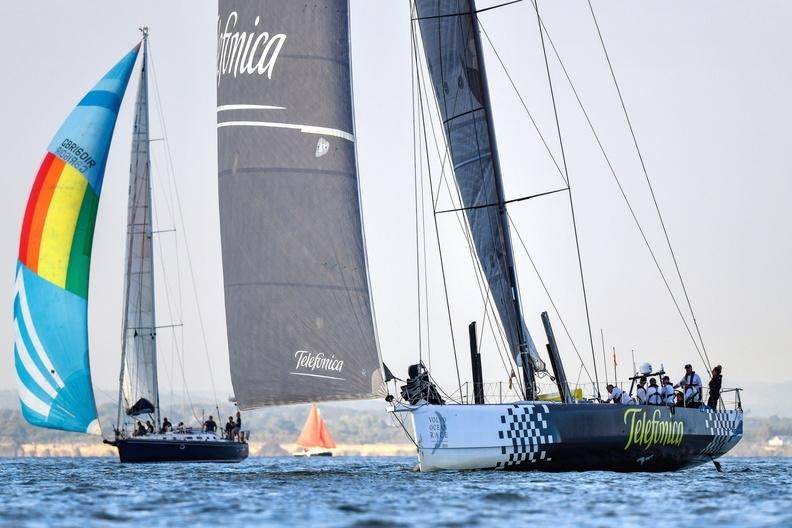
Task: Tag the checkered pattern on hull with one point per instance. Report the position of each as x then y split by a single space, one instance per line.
723 427
523 434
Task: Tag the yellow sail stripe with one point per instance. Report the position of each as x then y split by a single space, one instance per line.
58 232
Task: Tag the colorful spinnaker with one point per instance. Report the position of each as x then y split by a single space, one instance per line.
51 301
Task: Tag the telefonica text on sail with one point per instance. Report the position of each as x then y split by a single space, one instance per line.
241 52
312 361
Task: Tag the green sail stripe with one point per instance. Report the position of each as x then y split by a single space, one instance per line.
80 256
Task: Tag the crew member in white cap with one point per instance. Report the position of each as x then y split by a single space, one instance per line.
691 384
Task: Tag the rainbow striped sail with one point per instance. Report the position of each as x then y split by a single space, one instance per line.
51 302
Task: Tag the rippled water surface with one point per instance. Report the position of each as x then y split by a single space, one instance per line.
385 492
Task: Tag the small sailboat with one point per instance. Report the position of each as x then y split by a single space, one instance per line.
51 302
314 438
298 306
530 433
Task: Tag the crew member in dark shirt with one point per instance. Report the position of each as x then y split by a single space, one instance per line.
210 426
229 428
167 427
238 426
715 387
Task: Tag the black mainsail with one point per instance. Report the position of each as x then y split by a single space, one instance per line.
298 308
139 393
449 33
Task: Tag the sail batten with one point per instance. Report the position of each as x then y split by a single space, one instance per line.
51 301
298 308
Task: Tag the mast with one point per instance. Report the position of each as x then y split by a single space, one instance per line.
138 387
528 371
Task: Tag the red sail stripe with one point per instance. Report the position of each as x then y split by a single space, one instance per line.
40 212
31 206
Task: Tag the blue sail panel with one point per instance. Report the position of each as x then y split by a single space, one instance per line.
51 304
90 125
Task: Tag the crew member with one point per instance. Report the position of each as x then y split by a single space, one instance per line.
237 433
167 427
210 426
149 427
618 396
715 387
667 392
140 429
640 392
691 384
653 393
229 428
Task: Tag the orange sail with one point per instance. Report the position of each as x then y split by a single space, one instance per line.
314 432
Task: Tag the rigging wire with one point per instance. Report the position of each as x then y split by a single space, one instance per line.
166 283
607 161
571 201
483 287
524 105
170 312
418 215
649 184
550 297
437 233
498 334
621 190
171 173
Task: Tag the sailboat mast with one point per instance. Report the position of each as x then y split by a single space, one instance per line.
528 371
150 223
138 387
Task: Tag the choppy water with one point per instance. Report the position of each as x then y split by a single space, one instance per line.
385 492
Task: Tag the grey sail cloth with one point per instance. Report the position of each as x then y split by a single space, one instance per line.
139 353
298 308
450 49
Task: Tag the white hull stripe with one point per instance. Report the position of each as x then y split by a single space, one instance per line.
306 129
225 108
27 319
30 366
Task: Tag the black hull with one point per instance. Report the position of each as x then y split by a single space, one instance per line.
611 440
133 450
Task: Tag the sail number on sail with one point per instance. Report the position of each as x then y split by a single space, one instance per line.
75 155
243 52
655 431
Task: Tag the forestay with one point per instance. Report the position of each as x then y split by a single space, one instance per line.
51 301
139 354
298 308
447 32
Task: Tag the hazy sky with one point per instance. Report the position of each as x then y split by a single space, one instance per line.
707 85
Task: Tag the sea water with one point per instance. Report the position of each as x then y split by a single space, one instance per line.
351 491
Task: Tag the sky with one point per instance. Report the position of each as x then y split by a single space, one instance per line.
707 88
